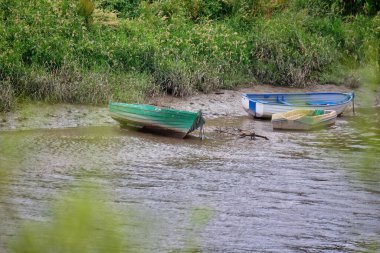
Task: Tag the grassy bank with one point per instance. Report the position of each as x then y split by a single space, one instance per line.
90 51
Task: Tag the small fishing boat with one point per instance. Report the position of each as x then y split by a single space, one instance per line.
303 119
264 105
156 119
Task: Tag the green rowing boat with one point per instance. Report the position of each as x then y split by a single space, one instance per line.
156 119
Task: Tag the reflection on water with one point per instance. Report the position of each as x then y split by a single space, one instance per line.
299 191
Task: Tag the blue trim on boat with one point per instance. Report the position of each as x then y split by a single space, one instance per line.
280 98
252 106
261 101
268 95
321 103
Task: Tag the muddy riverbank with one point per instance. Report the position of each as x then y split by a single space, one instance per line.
224 103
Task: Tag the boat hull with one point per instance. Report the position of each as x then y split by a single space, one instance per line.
163 121
303 120
265 105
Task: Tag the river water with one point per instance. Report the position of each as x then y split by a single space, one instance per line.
313 191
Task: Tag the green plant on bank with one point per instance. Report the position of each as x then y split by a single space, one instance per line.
74 50
86 9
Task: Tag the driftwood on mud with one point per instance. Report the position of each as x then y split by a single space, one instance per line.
241 133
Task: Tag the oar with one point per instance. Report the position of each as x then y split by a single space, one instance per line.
353 103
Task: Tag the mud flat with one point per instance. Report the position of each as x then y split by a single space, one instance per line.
223 103
42 115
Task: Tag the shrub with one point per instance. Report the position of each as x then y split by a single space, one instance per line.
63 50
338 7
284 52
123 8
6 95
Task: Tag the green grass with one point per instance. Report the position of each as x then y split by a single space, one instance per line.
89 51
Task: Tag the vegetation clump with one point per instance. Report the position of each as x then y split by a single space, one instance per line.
88 51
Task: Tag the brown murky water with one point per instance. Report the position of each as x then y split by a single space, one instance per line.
297 192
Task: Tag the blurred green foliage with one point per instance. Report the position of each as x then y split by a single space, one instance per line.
82 220
80 223
73 51
11 155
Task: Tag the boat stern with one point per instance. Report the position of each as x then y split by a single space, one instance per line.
252 107
245 102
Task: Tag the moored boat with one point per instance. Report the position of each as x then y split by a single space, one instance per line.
265 105
303 119
156 119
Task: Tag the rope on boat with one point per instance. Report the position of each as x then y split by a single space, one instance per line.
200 123
202 135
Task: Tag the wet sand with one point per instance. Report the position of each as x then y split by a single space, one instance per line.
223 103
